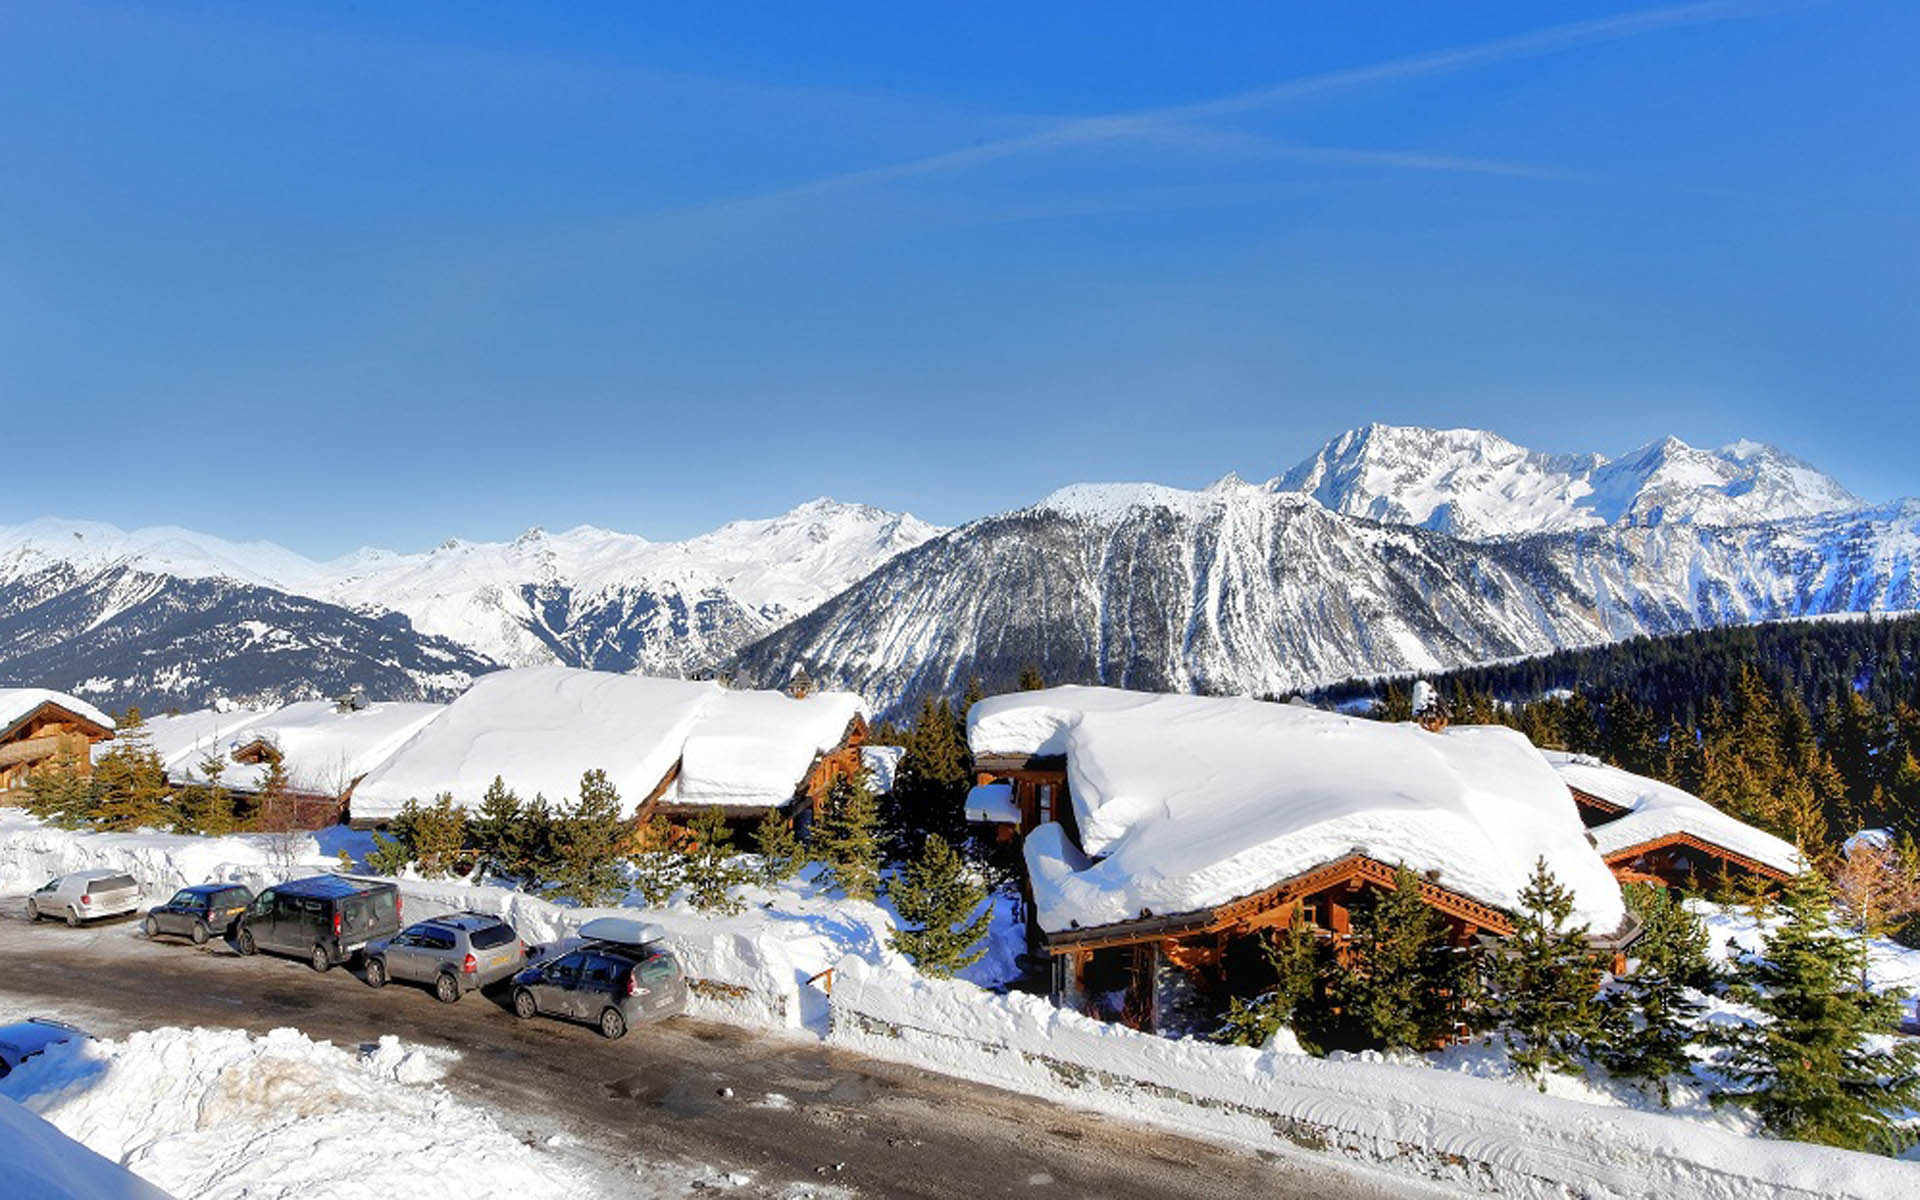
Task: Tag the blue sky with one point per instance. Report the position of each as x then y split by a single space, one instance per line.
335 274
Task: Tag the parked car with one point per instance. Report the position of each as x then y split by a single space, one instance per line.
85 896
455 953
326 919
200 911
21 1041
616 974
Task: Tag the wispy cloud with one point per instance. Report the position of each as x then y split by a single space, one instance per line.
1181 125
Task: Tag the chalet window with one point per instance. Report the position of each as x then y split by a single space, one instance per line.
1046 803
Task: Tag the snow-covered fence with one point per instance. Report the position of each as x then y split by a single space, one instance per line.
1483 1134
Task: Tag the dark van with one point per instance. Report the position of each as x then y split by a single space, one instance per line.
326 919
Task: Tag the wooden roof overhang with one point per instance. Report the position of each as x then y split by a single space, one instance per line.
1011 763
1246 911
1691 841
88 725
1598 805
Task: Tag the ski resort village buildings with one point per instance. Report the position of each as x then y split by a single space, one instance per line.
670 746
39 726
1163 835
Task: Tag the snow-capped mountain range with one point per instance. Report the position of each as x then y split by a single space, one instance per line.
585 597
1390 549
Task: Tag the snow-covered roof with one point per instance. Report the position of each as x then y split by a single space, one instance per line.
322 748
883 766
1657 810
753 748
993 803
541 728
1187 802
16 703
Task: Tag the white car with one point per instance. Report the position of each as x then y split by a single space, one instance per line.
84 896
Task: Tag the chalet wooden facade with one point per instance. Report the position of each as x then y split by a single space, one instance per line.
42 730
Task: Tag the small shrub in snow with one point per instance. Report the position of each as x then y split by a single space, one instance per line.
1541 983
711 869
1811 1067
847 837
946 907
659 860
1649 1018
778 847
590 838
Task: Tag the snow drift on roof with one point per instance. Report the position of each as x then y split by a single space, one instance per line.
182 740
1192 801
752 748
322 748
540 729
16 703
1657 810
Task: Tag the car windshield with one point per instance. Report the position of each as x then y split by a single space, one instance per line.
491 936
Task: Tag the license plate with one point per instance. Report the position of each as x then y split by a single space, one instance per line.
355 946
499 960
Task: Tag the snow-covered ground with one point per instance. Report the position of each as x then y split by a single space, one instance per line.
1458 1116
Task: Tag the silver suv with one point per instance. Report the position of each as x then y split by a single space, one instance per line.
617 974
455 953
85 895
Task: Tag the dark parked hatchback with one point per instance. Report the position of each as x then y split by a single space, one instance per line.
199 912
326 919
616 975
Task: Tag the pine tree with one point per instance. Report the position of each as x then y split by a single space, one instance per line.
659 860
847 838
589 841
1402 983
1295 955
1649 1018
1808 1067
536 842
778 847
129 781
930 788
1578 729
940 901
1632 736
437 836
1542 981
1031 680
712 871
59 790
497 830
206 808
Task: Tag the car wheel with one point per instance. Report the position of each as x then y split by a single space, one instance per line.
612 1025
321 960
73 918
376 972
524 1005
245 943
201 933
33 911
150 927
446 989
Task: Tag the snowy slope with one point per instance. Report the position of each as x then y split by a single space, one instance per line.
1476 484
1238 589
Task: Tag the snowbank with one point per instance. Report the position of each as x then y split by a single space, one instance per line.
32 852
219 1114
1481 1134
16 703
1189 802
42 1163
1657 810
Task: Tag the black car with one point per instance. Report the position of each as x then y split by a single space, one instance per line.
326 919
199 912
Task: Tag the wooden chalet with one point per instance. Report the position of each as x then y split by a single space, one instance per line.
1175 971
39 727
1652 832
805 805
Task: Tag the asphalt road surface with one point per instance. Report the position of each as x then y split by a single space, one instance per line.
783 1110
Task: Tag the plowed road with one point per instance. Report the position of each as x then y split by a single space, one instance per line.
686 1091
